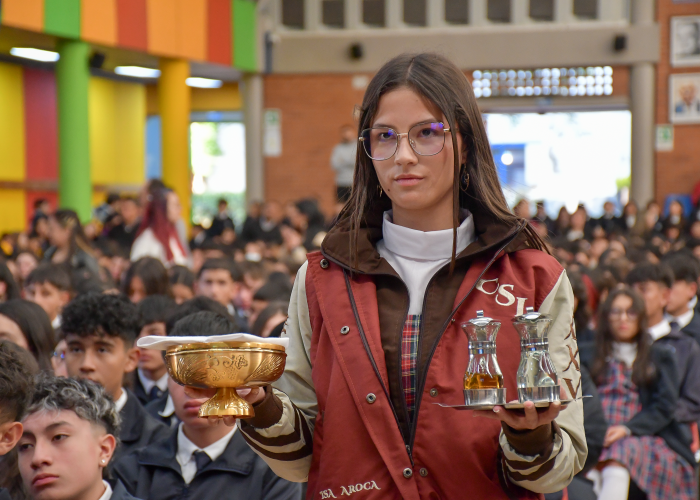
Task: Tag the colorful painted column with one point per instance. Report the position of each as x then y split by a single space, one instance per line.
72 79
174 107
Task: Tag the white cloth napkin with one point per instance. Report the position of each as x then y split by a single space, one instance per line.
163 343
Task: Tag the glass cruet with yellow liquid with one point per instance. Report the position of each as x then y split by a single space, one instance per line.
483 380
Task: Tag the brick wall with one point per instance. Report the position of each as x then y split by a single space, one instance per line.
313 108
677 171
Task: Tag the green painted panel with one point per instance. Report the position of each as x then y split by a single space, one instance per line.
244 35
62 18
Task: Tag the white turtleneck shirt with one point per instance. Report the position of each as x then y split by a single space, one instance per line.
417 255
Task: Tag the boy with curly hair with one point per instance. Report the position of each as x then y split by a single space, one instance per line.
100 331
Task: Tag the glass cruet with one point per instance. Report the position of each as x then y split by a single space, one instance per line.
537 377
483 380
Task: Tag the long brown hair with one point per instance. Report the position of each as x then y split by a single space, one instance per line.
438 80
643 370
68 219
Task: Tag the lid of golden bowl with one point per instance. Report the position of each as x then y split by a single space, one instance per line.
229 341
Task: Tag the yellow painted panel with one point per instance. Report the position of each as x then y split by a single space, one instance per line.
225 98
27 14
162 27
117 132
12 210
12 146
98 21
103 147
130 122
98 198
192 33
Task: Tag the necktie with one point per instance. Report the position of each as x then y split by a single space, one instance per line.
201 459
674 327
154 393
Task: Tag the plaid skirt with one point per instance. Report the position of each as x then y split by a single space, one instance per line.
655 467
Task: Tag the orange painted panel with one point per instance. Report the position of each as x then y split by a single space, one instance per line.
98 21
162 27
192 31
27 14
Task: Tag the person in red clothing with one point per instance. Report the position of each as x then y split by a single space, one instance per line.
425 241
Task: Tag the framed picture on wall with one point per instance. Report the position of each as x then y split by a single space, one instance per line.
684 98
685 41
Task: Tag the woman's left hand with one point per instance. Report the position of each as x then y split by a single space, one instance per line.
528 418
615 433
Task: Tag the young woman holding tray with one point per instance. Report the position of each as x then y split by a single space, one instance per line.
425 240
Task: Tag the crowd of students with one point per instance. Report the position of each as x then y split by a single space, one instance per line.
94 406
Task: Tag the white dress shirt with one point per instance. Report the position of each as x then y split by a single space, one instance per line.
683 320
108 491
121 401
148 384
417 255
660 329
625 352
169 408
186 449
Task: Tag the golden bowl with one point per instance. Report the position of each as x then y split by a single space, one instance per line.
225 366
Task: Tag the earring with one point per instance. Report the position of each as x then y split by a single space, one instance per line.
102 461
464 180
380 191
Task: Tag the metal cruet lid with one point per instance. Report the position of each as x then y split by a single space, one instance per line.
481 321
531 316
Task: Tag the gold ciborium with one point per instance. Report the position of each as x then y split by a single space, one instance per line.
226 366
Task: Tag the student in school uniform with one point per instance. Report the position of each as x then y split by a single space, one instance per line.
198 460
49 286
654 282
162 408
151 380
644 445
686 271
100 331
17 371
68 440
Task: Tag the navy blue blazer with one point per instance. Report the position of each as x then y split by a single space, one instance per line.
154 473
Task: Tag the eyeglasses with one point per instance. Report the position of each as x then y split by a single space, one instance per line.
617 314
426 139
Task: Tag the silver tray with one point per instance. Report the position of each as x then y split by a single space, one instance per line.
509 406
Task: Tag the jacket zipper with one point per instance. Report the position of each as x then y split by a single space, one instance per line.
419 388
371 357
423 375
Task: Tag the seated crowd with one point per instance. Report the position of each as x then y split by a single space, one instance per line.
86 414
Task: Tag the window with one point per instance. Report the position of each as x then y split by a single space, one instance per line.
334 13
542 10
457 11
591 81
499 11
373 12
414 12
293 13
586 9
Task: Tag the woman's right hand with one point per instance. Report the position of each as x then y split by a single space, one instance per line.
251 395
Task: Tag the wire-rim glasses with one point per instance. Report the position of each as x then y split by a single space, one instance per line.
426 139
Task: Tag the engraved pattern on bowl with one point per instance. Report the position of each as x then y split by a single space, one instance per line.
232 364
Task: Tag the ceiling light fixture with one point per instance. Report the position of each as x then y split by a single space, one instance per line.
35 54
204 83
137 71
